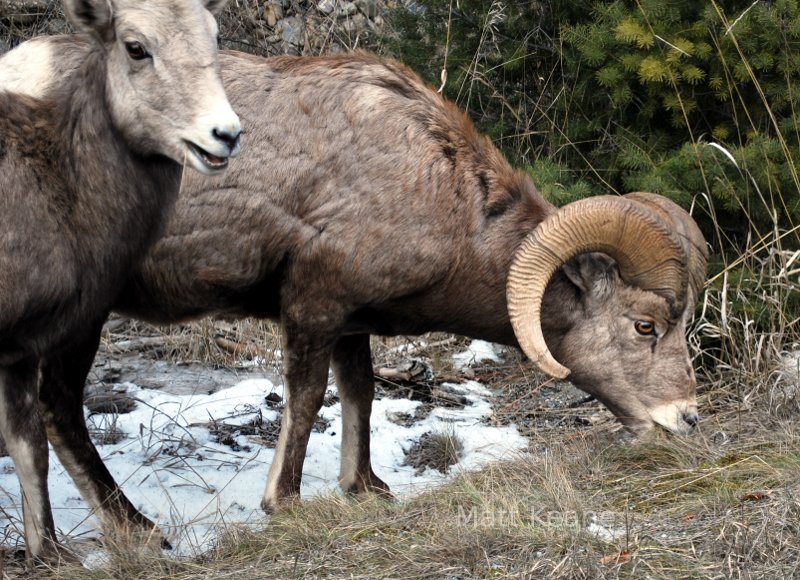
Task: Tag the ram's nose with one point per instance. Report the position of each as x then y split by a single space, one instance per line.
691 418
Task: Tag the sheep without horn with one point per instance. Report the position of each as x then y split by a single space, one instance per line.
86 172
366 204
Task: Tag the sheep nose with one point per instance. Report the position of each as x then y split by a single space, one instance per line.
691 419
230 139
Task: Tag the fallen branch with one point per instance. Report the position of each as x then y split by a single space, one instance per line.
238 349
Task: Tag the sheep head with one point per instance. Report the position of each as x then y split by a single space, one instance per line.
632 268
163 85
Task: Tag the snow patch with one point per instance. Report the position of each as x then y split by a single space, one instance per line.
172 469
477 351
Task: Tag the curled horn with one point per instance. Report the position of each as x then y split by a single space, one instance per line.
634 234
694 244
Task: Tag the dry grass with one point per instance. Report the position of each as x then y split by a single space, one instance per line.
704 506
43 17
213 342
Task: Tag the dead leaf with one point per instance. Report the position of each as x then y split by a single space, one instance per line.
620 558
757 496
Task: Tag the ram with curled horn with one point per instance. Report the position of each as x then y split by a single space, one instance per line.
656 248
367 204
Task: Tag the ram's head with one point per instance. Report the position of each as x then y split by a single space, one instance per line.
633 268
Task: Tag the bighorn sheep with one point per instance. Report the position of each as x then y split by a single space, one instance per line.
364 204
86 173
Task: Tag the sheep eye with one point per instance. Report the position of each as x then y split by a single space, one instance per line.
645 327
136 51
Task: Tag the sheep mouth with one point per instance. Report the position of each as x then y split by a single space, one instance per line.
211 162
678 417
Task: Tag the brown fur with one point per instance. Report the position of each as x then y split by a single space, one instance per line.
83 192
365 204
59 272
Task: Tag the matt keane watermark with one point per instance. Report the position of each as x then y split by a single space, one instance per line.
478 517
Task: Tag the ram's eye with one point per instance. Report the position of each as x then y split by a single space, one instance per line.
645 327
136 51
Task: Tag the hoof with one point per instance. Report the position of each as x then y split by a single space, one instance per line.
372 484
271 505
268 506
138 535
53 558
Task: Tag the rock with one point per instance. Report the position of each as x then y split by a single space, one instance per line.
399 418
346 9
368 8
266 27
291 30
273 400
355 23
273 12
414 8
107 399
326 6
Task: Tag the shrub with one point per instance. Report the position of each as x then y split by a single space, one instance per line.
686 98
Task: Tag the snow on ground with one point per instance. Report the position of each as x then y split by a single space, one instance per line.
171 468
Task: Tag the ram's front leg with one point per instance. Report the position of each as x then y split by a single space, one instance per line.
306 358
61 400
352 367
24 434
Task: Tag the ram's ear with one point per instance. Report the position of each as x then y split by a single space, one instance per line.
594 274
215 6
93 16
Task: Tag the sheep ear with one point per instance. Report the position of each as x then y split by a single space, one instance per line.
93 16
594 274
215 6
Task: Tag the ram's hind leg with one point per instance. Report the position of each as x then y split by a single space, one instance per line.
352 367
22 429
61 399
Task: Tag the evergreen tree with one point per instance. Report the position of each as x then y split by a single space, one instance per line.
657 82
688 98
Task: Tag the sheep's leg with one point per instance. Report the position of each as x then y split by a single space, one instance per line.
61 399
352 367
22 429
306 359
